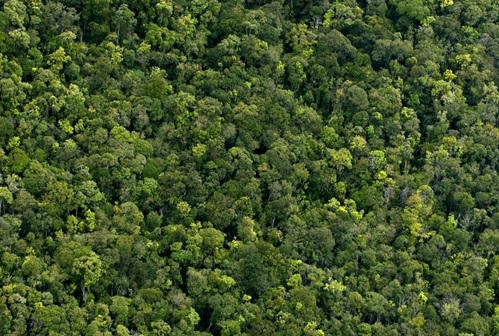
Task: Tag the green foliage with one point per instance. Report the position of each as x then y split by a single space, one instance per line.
249 167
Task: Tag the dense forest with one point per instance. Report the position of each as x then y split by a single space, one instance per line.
250 167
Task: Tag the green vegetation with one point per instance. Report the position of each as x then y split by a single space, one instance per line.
256 167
